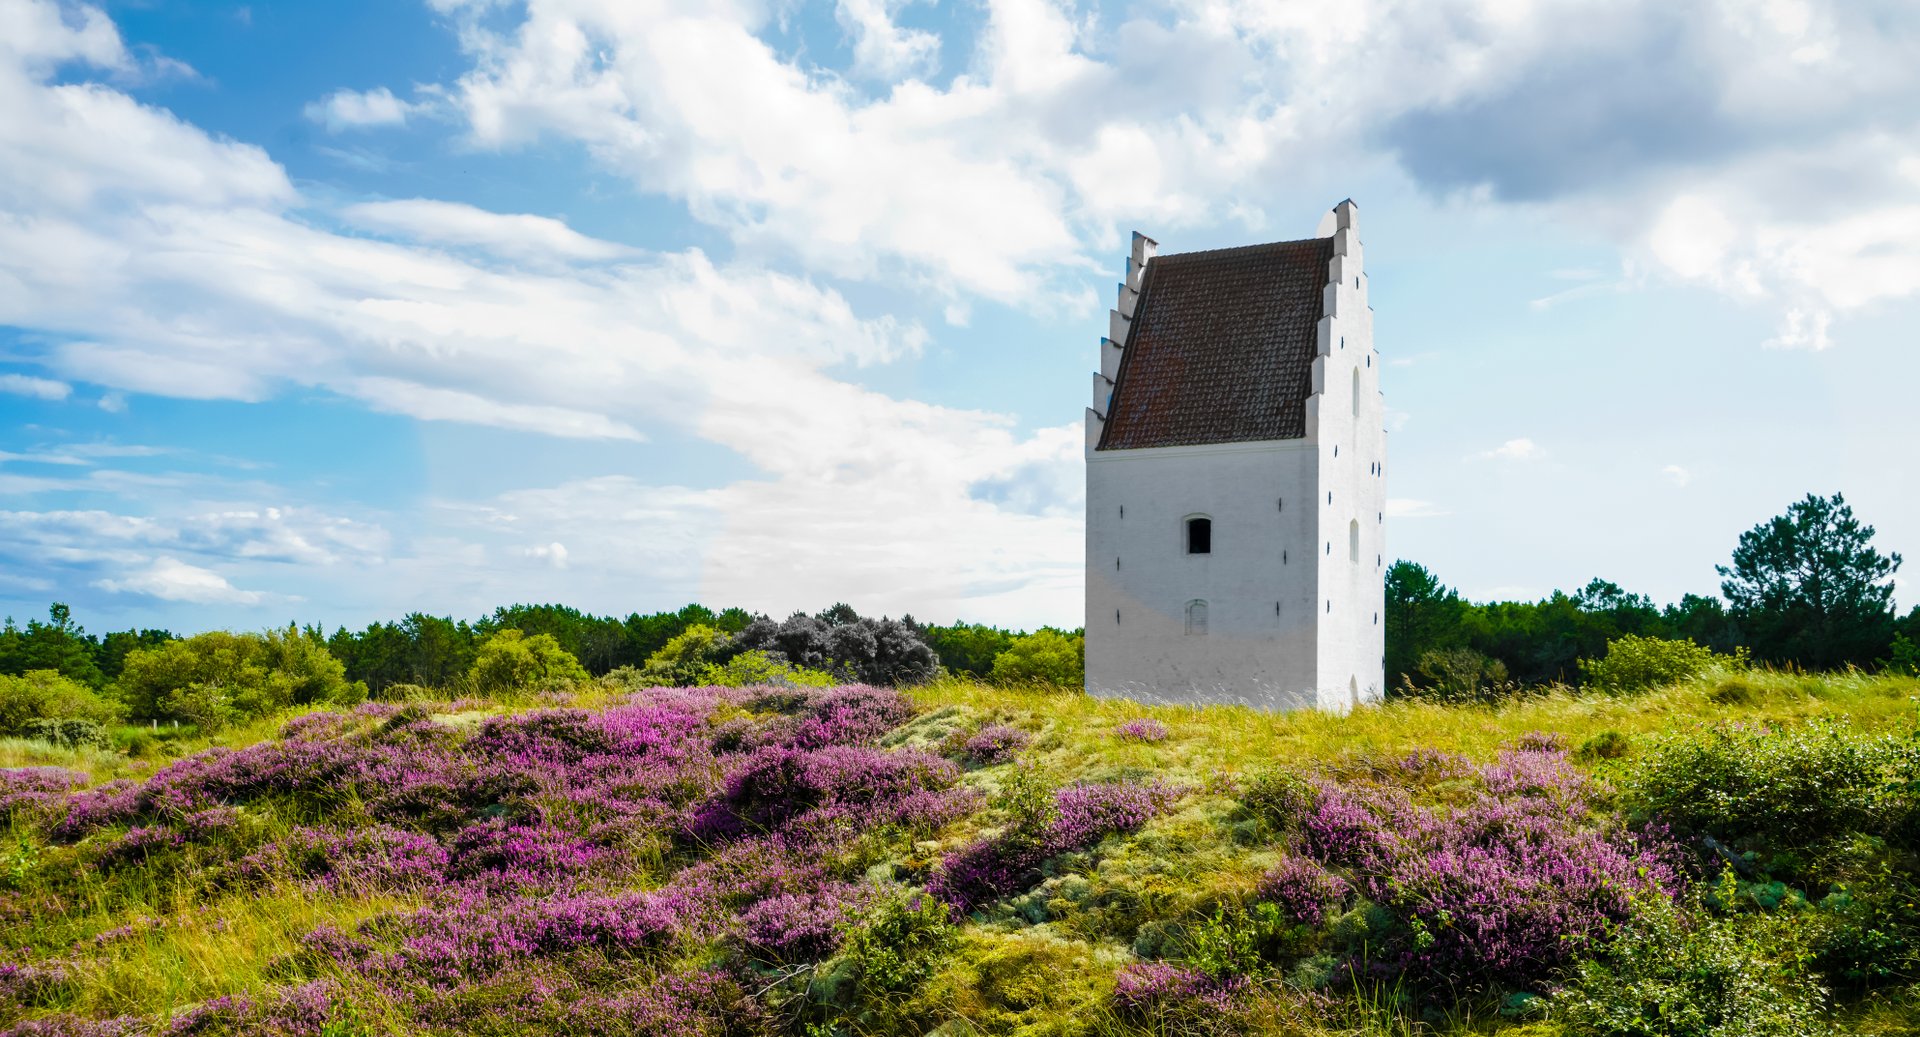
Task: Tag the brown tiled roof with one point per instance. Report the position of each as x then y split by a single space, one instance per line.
1221 347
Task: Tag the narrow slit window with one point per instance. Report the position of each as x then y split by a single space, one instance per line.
1199 536
1353 541
1356 392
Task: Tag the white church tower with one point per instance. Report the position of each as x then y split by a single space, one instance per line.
1236 479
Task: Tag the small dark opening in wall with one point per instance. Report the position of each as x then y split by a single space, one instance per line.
1123 511
1116 565
1116 617
1283 558
1330 492
1276 608
1280 504
1199 536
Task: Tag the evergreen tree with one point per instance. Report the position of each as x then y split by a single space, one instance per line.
1808 587
1422 616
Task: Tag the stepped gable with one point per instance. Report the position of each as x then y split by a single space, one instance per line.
1221 347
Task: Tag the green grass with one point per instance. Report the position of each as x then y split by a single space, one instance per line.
1042 963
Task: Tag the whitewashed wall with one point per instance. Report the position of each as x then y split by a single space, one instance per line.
1294 583
1140 577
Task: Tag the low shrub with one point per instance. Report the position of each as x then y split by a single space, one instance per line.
1508 887
758 669
1675 972
1634 663
1782 788
1141 729
1041 827
993 744
45 695
1045 656
1607 745
68 733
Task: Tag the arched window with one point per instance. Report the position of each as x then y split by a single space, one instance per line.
1197 617
1356 392
1200 537
1353 541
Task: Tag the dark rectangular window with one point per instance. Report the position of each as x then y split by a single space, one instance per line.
1199 536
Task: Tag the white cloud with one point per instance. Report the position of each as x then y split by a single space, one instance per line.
1066 124
170 579
882 49
1407 508
1677 475
1522 449
225 285
554 554
358 110
451 223
292 534
114 402
39 388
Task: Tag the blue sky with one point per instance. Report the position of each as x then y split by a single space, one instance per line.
334 312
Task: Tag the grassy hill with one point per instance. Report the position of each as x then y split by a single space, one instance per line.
1731 855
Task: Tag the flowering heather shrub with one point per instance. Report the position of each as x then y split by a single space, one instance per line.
1082 816
1303 890
27 982
377 857
1143 986
776 784
476 936
79 1026
524 855
1509 888
544 846
1169 999
795 927
850 715
36 790
697 1004
1141 729
995 743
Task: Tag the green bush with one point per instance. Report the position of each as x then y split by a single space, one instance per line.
752 669
46 695
899 945
511 660
1045 656
1607 745
1456 675
217 678
1634 663
68 732
1784 787
685 658
1905 656
1671 972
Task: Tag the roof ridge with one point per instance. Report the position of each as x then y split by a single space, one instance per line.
1234 250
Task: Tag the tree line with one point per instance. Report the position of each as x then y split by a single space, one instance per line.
1806 589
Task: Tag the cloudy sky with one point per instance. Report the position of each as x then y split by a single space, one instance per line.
338 311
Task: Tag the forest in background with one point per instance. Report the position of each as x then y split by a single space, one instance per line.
1807 589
